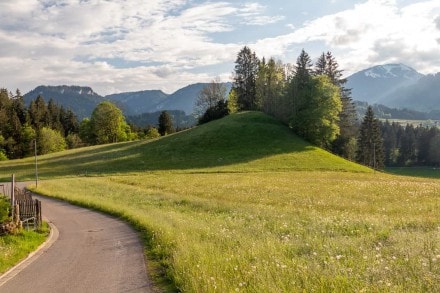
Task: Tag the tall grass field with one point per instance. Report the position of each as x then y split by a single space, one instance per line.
243 205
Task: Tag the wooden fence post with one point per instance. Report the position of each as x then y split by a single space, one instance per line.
13 195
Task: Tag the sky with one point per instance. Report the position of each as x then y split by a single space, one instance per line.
132 45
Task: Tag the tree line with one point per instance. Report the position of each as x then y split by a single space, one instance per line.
410 145
47 127
52 126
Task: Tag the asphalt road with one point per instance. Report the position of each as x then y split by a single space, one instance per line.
93 253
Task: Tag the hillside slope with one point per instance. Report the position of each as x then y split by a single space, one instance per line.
250 141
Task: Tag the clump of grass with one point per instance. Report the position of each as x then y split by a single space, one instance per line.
14 248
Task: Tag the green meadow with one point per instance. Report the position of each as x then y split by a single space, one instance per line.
241 204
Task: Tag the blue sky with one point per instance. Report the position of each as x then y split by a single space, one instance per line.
130 45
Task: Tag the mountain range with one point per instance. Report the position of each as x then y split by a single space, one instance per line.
83 100
397 86
392 86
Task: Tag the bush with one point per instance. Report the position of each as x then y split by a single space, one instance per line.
213 113
4 208
3 156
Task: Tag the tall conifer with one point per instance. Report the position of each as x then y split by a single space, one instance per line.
370 145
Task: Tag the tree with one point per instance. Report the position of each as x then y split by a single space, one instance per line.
317 118
209 96
152 133
107 124
370 146
38 113
165 123
270 85
50 141
434 150
300 85
345 141
246 68
216 112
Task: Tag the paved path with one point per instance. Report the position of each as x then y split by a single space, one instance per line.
93 253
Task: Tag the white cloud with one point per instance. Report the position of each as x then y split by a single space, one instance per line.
80 42
374 32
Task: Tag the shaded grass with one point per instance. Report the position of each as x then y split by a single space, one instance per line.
14 248
426 172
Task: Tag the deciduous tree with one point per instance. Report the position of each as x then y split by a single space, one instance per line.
209 96
107 124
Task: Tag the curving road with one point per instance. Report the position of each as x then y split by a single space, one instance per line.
93 253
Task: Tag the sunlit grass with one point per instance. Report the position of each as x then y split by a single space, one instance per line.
279 231
14 248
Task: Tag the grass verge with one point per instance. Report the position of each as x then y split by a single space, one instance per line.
14 248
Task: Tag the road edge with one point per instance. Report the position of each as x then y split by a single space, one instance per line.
15 270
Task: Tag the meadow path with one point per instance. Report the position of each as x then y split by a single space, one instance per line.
93 253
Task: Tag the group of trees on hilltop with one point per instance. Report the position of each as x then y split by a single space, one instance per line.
312 100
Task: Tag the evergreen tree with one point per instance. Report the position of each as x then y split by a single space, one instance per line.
370 145
321 65
407 154
38 113
300 86
245 74
165 123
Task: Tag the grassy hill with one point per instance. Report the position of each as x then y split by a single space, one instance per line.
243 142
243 205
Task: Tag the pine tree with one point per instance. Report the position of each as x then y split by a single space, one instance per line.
246 68
370 145
300 85
165 123
321 65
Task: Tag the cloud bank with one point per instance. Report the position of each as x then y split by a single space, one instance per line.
120 45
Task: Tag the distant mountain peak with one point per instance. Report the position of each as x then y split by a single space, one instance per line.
392 71
64 89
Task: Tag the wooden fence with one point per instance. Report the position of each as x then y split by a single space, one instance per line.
27 209
29 212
